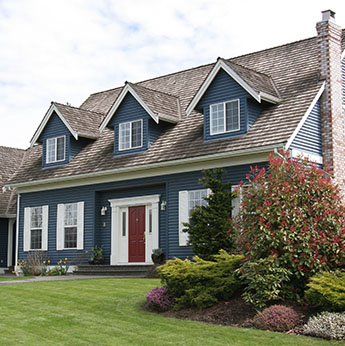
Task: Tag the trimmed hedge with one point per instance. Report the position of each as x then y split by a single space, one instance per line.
201 283
327 291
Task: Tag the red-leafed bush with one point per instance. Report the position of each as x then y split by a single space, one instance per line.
278 318
293 212
160 299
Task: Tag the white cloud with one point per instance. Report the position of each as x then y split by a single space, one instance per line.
63 50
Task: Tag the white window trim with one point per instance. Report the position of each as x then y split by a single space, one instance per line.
60 227
55 154
224 103
183 215
27 229
130 134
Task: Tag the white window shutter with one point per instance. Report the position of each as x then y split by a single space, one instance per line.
45 211
60 227
236 202
27 224
183 216
80 228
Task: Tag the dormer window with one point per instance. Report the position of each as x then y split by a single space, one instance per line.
131 135
56 149
225 117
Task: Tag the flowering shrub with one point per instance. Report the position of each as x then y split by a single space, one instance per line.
201 283
327 291
278 318
160 299
328 325
295 213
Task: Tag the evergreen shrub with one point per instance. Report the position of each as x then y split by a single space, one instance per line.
327 291
201 283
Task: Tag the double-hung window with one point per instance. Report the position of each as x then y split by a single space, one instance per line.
131 135
35 228
188 200
55 149
70 226
225 117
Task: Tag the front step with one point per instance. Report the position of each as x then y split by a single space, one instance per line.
131 270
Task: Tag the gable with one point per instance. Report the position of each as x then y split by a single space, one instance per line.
308 138
54 127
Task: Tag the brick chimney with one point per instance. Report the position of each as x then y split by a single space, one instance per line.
332 117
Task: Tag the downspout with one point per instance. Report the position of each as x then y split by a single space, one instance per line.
17 232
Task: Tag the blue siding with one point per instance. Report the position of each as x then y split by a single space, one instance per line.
155 129
309 138
254 110
343 73
224 88
77 145
55 128
96 196
3 242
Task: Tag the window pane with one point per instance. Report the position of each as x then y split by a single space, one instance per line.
51 145
232 116
136 134
196 198
217 116
70 237
60 151
71 214
36 239
36 217
124 136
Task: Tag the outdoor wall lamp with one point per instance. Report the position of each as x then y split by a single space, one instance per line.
104 210
163 205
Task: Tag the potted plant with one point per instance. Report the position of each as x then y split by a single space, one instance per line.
97 255
158 256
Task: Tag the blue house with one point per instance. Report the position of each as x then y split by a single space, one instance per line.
122 170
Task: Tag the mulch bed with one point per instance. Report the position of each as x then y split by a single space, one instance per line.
235 313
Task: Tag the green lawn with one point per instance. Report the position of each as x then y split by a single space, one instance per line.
108 312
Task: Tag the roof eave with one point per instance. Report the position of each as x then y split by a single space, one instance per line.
228 154
269 98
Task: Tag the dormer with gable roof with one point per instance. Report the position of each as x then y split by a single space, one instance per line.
231 98
63 132
138 116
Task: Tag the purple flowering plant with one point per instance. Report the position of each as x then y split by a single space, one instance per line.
160 299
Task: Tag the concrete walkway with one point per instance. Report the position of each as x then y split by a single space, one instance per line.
53 278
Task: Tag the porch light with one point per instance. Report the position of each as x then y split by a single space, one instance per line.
104 210
163 205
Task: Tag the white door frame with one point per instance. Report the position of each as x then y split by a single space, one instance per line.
10 242
119 241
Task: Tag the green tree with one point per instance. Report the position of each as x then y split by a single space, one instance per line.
211 227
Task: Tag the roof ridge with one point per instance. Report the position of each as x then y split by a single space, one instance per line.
82 109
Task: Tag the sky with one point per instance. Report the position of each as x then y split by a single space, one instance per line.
65 50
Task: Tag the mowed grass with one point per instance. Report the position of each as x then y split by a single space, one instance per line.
108 312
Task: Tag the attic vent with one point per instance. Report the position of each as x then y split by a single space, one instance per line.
68 104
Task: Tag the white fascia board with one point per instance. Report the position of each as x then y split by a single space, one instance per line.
220 64
269 98
119 100
232 158
305 116
168 118
45 120
305 155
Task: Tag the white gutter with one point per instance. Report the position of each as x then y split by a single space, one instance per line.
243 152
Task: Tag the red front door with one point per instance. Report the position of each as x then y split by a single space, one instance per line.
136 241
